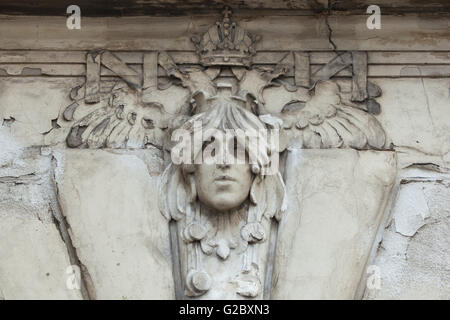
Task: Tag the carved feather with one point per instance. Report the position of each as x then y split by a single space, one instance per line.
125 122
326 122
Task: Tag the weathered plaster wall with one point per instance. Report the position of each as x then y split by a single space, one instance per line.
413 255
62 207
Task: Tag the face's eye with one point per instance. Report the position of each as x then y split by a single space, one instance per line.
232 146
207 143
209 149
236 149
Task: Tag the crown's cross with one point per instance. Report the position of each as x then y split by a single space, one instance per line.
226 13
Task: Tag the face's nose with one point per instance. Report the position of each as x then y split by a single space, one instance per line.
223 166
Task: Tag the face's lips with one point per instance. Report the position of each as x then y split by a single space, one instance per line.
224 178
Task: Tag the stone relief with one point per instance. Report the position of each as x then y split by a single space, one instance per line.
225 214
222 210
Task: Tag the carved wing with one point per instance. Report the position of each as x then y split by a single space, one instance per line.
326 122
122 121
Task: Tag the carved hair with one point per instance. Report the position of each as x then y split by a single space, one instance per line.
177 183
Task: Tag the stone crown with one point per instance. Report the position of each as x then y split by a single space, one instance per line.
225 44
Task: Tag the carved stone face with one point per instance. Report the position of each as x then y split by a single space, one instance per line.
221 186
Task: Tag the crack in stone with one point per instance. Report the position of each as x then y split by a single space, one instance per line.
330 31
427 100
428 166
86 286
20 179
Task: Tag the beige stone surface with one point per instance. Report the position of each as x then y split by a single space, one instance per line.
110 202
416 32
337 199
413 256
34 258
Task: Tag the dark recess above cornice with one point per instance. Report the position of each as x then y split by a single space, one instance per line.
117 8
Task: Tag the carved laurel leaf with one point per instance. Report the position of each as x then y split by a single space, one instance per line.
275 196
268 194
253 232
248 282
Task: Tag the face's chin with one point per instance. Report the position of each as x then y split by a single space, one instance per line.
225 197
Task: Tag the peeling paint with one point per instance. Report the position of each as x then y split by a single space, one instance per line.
8 121
413 254
26 71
